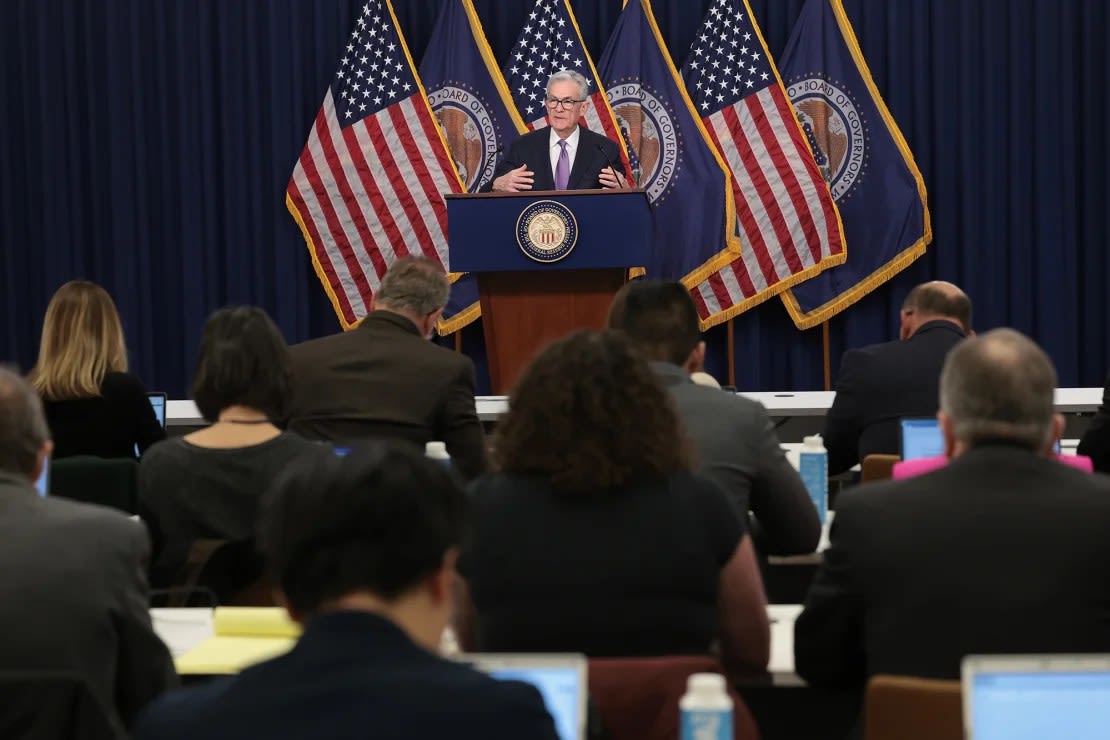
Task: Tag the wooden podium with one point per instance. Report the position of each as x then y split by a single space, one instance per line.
529 296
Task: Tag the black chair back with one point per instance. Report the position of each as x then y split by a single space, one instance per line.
95 480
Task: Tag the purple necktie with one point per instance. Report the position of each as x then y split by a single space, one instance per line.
562 167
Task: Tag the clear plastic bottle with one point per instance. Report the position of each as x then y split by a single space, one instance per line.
705 709
436 450
813 465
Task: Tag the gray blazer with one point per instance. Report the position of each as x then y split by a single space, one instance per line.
73 597
738 448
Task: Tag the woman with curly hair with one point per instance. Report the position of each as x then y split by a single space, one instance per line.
92 404
594 535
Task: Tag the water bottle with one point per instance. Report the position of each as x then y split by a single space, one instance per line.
705 709
437 451
813 464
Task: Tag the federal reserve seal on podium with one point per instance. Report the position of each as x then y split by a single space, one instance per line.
546 231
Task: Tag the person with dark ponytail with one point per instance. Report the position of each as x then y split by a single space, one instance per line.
206 485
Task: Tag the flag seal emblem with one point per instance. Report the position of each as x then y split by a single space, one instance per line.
471 130
836 130
649 130
546 231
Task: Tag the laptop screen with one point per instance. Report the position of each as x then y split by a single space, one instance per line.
42 484
921 438
561 680
158 403
1040 704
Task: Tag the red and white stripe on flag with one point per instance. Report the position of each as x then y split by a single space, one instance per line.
787 223
368 187
785 215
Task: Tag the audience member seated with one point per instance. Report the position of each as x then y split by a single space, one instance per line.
364 549
73 597
734 438
1002 551
880 384
385 379
207 485
1095 442
595 535
93 405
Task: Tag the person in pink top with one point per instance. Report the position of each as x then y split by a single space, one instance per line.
910 468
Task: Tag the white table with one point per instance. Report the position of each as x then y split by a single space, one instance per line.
781 666
804 403
184 629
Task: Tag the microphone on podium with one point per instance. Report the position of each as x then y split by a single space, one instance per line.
601 149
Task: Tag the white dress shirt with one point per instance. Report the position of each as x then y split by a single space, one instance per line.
554 149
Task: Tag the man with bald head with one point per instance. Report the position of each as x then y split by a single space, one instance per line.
1004 550
880 384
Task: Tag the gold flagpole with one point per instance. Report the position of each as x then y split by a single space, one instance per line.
731 355
825 354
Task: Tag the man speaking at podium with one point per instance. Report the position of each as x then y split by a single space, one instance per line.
563 156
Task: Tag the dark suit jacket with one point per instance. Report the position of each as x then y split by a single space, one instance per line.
73 597
878 385
352 675
1095 443
739 449
383 379
532 149
1001 551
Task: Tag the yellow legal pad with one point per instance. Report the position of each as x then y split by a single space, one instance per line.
242 636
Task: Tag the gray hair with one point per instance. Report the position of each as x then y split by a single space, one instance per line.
23 429
569 75
414 284
942 300
999 385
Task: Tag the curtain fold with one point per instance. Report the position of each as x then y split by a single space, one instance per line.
146 145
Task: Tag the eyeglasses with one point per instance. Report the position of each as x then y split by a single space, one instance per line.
556 104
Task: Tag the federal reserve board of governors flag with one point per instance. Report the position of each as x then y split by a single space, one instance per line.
788 225
474 108
863 156
367 188
550 41
686 180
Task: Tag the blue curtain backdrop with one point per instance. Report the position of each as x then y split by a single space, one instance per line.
146 145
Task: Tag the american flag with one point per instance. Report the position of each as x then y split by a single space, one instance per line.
367 188
549 42
786 219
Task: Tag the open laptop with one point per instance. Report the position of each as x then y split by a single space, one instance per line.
921 437
158 403
42 484
1022 697
560 679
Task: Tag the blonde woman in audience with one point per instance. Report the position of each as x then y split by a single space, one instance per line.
206 485
93 405
595 536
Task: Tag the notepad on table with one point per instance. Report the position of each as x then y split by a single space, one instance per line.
242 637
